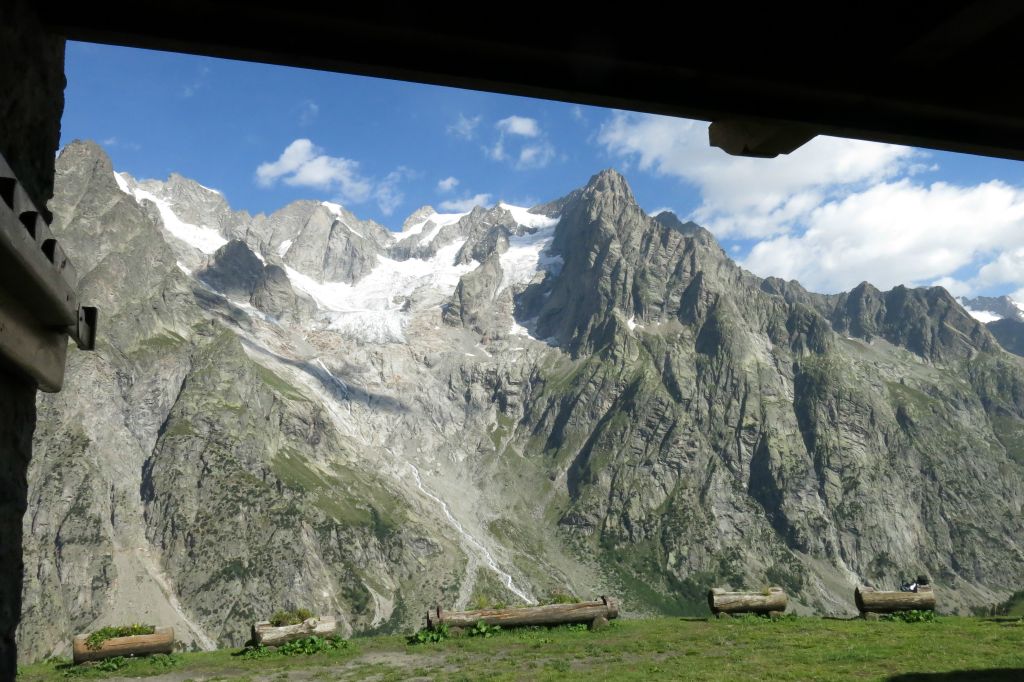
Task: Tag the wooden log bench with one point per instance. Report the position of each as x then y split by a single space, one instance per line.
594 613
872 601
160 642
771 601
265 634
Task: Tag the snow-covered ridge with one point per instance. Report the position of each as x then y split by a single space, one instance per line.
206 239
436 220
375 309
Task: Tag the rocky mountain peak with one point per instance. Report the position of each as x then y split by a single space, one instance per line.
988 308
234 271
609 181
418 216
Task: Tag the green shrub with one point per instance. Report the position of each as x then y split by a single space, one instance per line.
95 639
295 617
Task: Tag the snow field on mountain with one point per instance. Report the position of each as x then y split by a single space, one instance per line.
371 309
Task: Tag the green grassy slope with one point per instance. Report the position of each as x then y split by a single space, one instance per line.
654 649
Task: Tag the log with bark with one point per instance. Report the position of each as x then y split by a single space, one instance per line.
722 601
160 642
265 634
552 614
870 600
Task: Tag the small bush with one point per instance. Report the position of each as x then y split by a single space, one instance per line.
95 639
295 617
560 598
429 635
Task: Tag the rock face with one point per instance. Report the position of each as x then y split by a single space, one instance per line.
1001 306
235 270
578 398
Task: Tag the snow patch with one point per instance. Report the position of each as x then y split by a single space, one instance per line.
371 309
437 220
206 239
122 184
334 208
519 330
523 216
210 189
283 248
182 267
631 323
983 316
528 254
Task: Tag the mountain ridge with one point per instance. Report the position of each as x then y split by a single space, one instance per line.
576 397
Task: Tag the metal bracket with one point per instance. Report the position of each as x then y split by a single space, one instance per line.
40 304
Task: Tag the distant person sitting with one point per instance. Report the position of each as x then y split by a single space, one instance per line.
915 584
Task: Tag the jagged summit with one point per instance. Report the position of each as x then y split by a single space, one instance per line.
609 180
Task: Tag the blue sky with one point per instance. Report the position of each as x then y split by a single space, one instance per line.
831 214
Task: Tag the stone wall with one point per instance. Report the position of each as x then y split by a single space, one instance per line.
17 422
31 104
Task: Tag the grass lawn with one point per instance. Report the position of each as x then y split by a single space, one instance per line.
655 649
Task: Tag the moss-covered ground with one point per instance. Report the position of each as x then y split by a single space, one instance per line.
747 648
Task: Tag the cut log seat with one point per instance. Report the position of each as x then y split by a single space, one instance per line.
870 600
160 642
723 601
552 614
265 634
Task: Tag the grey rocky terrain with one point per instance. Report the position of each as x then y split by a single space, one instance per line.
304 409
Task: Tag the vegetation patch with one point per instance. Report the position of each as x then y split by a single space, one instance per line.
1010 432
430 635
912 616
275 382
282 618
482 629
307 646
96 639
1014 606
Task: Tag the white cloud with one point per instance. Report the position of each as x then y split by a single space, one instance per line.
309 110
535 156
519 125
109 142
749 197
536 151
464 127
303 164
448 184
659 211
387 192
467 204
497 152
902 233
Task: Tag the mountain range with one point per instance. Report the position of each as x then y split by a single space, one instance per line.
305 409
